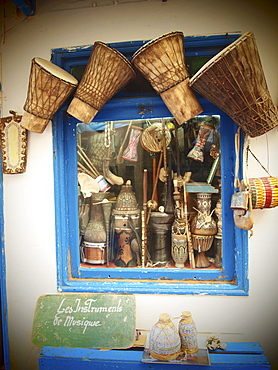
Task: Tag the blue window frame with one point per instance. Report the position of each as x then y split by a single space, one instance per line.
231 279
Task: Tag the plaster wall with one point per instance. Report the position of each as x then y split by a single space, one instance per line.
29 197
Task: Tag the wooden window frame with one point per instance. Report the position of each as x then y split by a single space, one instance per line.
232 279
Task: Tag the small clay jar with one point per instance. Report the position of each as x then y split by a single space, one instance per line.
164 341
188 333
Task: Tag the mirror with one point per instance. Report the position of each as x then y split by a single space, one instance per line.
142 183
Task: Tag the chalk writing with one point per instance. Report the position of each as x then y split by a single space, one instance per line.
84 320
77 307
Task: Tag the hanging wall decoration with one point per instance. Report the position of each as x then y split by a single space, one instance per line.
13 144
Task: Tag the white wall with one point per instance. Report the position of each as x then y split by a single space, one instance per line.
29 197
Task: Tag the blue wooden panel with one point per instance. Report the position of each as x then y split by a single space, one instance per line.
76 358
241 347
240 360
3 288
26 6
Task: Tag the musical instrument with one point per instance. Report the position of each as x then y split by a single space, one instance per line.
234 81
159 238
107 72
264 192
94 253
49 87
162 63
202 243
126 222
94 243
203 228
179 249
153 136
197 152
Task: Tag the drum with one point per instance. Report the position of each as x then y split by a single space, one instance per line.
107 72
234 81
49 87
94 253
162 63
202 243
264 192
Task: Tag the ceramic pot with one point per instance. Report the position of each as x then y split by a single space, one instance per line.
188 333
164 340
203 229
179 243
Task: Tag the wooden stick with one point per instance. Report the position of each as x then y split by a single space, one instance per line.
155 193
144 215
164 147
155 185
84 169
144 234
87 160
188 233
178 152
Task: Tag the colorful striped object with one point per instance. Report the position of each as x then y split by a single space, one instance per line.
264 192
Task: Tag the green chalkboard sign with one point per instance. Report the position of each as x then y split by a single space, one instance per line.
84 320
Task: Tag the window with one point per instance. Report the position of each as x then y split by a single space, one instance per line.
139 107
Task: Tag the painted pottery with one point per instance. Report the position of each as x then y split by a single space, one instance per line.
188 333
164 340
126 218
203 228
179 243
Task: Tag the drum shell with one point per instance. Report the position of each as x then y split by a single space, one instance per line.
202 243
46 94
94 253
162 63
107 72
234 81
122 222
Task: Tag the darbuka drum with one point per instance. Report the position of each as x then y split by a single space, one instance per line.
202 243
234 81
162 63
107 72
264 192
49 87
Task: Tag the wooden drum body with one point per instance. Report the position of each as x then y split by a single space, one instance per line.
234 81
107 72
49 87
162 62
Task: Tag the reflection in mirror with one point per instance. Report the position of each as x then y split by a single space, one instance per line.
150 193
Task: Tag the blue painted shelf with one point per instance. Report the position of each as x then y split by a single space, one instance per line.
238 355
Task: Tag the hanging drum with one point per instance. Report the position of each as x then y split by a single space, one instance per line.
234 81
162 63
107 72
49 87
264 192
